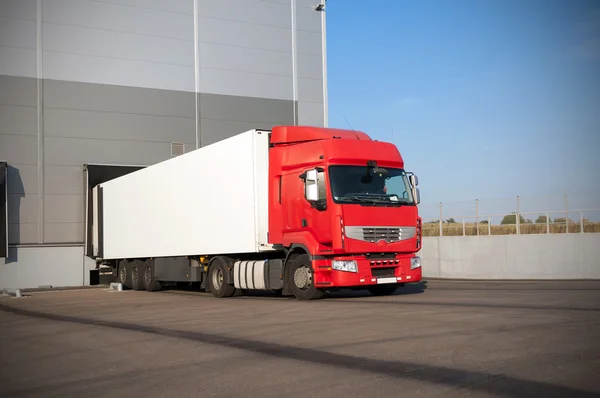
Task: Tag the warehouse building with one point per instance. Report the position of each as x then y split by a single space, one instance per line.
93 89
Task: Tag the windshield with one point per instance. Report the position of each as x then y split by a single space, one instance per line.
368 185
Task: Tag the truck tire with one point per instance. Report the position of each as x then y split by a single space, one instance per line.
217 281
150 282
137 275
123 274
301 279
382 290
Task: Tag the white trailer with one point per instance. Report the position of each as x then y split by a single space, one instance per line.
157 221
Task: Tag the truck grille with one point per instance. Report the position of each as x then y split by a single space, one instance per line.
376 234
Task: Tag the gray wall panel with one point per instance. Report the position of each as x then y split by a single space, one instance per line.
245 59
310 90
99 97
22 179
18 149
17 62
246 84
18 120
63 232
63 180
111 44
308 19
63 209
24 9
31 267
308 43
17 33
310 66
23 208
246 109
240 34
91 69
310 113
18 91
118 126
76 152
217 130
255 12
115 17
23 233
175 6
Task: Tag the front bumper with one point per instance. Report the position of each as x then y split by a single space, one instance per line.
371 271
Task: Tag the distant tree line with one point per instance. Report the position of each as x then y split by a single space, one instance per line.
511 219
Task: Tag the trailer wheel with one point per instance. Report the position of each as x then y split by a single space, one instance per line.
217 281
150 282
302 282
137 275
382 290
123 276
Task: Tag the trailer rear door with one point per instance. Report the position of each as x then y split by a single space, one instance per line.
95 174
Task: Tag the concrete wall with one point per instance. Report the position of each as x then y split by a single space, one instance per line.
57 266
558 256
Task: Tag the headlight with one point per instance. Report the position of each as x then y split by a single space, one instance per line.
345 265
415 262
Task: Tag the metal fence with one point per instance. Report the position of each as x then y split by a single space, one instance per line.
508 216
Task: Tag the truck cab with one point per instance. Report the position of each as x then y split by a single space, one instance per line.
345 211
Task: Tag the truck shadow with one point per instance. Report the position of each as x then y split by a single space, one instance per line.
408 289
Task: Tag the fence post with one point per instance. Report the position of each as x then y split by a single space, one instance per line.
463 222
441 221
489 225
567 212
581 220
518 216
477 215
547 223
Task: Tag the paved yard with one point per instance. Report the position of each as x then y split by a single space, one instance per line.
439 339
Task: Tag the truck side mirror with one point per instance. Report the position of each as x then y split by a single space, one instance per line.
417 196
414 180
311 187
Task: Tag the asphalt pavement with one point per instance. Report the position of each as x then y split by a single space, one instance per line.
434 339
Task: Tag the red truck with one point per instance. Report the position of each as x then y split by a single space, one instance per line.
297 210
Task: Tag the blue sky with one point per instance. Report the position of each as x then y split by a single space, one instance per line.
485 99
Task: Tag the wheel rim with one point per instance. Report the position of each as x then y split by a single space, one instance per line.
148 276
135 275
217 278
302 277
123 273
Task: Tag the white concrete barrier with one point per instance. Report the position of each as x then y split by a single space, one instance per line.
553 256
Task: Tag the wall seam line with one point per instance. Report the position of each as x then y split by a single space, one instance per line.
40 119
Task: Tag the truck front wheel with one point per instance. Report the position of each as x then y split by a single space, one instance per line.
302 279
217 281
